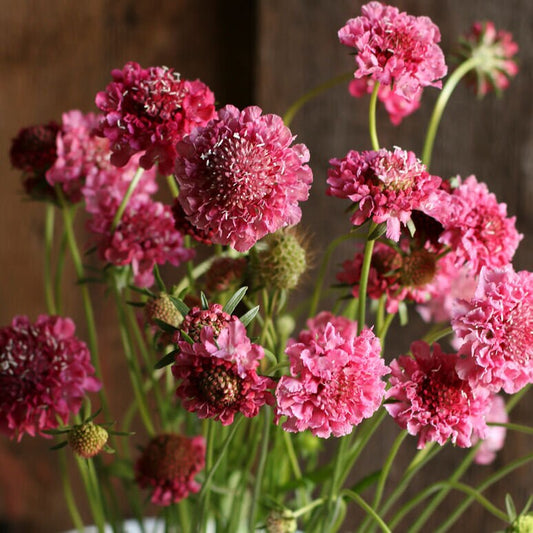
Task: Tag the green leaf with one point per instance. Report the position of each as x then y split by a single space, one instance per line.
510 507
59 446
180 305
186 337
166 360
234 301
205 303
249 316
164 326
378 231
403 314
135 304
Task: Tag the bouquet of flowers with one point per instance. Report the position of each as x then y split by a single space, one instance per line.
251 409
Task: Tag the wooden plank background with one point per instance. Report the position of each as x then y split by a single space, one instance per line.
56 54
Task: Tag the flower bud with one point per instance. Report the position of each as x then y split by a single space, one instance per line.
162 308
87 440
281 522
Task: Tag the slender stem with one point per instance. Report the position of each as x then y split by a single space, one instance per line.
434 336
86 297
172 185
69 497
442 100
48 243
364 505
363 280
315 298
386 468
319 89
58 278
260 468
372 117
122 207
133 364
91 487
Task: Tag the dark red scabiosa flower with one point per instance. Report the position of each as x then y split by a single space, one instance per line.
45 372
240 178
168 466
150 109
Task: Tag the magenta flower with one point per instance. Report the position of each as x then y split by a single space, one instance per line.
335 379
45 372
218 375
239 177
430 400
495 437
397 106
386 186
495 51
476 226
168 465
149 110
496 327
395 49
144 237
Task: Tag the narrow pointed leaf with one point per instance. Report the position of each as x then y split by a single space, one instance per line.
205 303
164 326
249 316
180 305
166 360
59 446
233 302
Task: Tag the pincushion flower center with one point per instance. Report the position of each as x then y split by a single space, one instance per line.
241 171
518 341
439 397
219 385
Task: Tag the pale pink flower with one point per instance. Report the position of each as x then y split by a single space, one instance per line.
149 110
168 465
239 177
335 379
386 186
476 226
395 104
395 49
45 372
80 153
495 50
495 436
429 399
496 328
217 373
449 284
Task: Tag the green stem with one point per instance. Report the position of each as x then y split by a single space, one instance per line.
86 297
386 468
133 364
122 207
260 469
372 117
363 280
93 494
364 505
67 490
442 100
173 186
434 336
319 89
507 469
58 278
48 243
315 298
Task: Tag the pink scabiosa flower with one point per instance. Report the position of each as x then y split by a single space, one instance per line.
144 237
397 106
429 399
476 226
217 372
240 178
80 153
149 110
168 465
496 328
449 284
335 379
45 372
386 186
495 53
495 436
394 48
